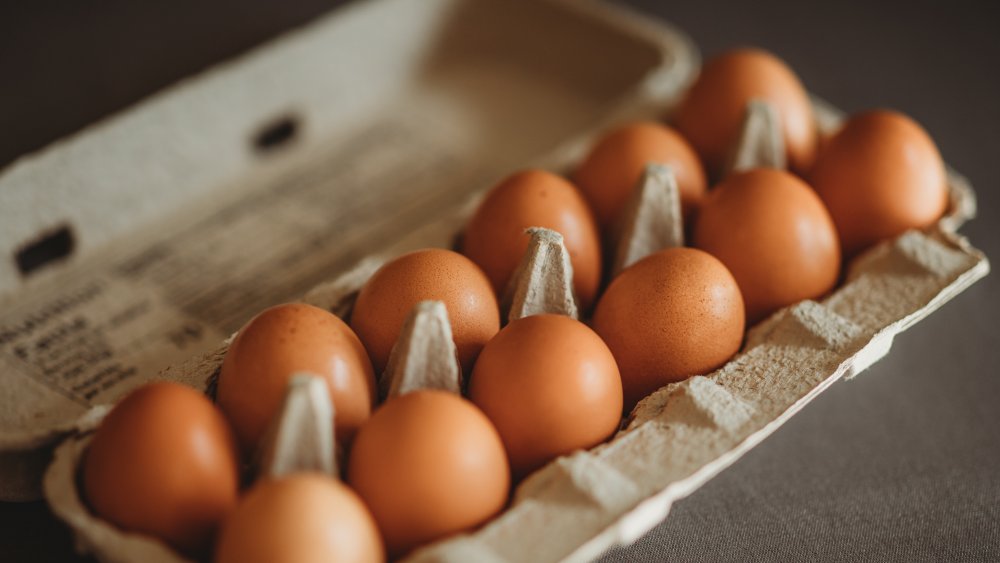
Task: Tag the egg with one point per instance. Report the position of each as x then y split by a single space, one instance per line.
711 113
390 294
611 170
164 463
550 385
273 346
774 234
495 239
301 518
879 176
428 464
673 314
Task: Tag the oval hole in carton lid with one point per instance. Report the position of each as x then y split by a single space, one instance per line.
47 248
276 134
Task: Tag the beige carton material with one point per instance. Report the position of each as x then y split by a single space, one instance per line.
652 217
425 355
760 143
543 282
175 218
301 436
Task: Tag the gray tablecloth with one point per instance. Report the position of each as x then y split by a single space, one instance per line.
902 464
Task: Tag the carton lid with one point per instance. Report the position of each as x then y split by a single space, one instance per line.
174 222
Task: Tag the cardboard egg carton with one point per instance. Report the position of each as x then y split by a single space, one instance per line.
675 439
577 68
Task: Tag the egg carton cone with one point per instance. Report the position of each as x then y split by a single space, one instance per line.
543 282
424 356
301 435
652 218
760 143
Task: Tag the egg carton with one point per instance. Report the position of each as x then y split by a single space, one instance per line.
577 506
673 441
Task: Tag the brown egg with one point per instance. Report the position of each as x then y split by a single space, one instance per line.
273 346
387 299
428 464
302 518
774 234
496 241
671 315
712 112
610 172
879 176
163 462
551 386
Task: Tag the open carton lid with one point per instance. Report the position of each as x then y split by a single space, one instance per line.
168 224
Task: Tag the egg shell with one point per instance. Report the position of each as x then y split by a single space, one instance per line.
428 464
615 164
302 518
163 463
276 344
774 234
880 175
550 385
712 111
387 298
496 240
673 314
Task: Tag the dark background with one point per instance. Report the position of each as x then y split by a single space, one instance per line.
901 464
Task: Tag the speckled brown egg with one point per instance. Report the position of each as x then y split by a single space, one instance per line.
428 464
302 518
673 314
279 342
495 238
774 234
879 176
712 111
551 386
163 462
615 164
432 274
